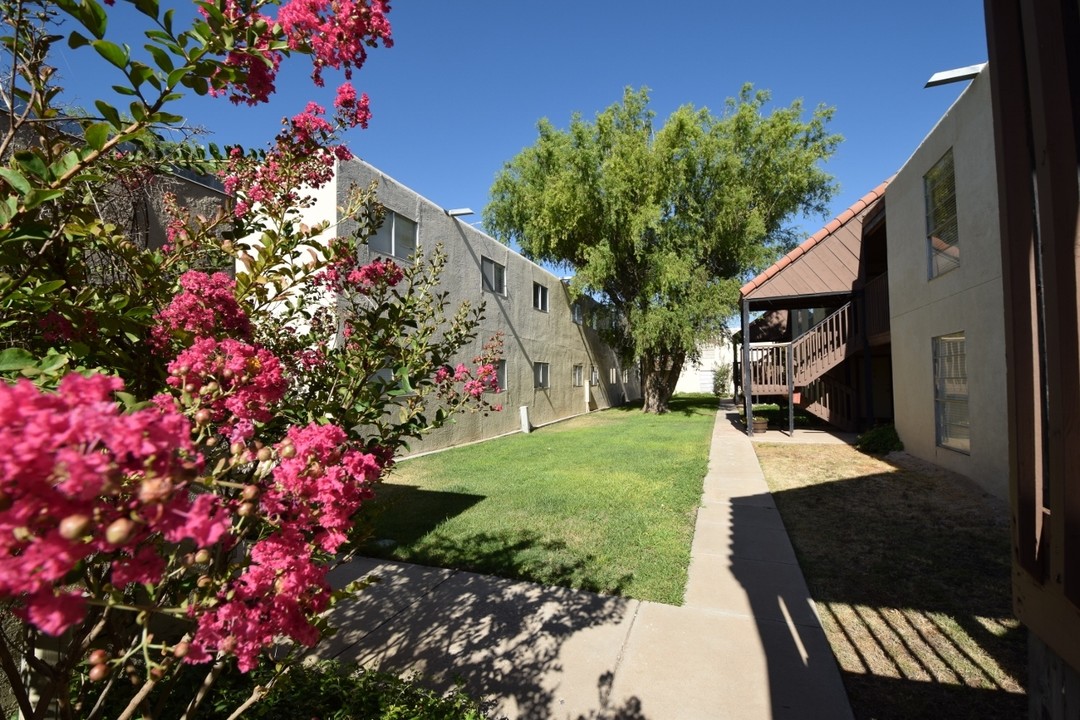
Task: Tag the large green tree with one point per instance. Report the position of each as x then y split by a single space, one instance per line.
664 224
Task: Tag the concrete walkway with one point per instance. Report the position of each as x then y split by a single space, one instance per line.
746 645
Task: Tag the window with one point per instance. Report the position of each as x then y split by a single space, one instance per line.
395 237
951 392
494 276
942 236
613 378
540 374
576 312
500 375
579 375
540 297
625 376
594 378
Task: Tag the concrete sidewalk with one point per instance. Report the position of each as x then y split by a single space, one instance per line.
746 644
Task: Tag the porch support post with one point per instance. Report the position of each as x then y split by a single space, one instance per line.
868 363
790 390
748 391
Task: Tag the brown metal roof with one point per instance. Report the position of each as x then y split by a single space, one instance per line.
826 263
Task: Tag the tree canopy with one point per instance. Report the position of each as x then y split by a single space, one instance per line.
664 224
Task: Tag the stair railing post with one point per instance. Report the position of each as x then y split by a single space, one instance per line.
791 392
747 387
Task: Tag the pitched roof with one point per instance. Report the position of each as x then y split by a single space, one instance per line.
826 263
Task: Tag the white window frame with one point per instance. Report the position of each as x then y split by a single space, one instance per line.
540 297
390 230
613 377
500 374
952 419
942 228
492 276
579 375
594 376
576 313
541 375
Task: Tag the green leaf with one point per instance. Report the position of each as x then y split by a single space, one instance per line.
47 287
15 359
32 163
147 7
36 197
15 180
109 113
93 18
161 58
112 52
77 40
97 134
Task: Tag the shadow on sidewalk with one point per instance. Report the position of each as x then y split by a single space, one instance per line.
500 640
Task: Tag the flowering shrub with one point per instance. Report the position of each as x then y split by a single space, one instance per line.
185 454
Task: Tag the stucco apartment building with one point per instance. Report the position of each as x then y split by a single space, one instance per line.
946 297
907 319
555 364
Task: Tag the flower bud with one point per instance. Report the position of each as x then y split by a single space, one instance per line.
287 451
181 649
246 509
99 672
119 531
202 556
264 454
202 417
237 447
98 657
74 527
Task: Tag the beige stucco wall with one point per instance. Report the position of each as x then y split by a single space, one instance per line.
530 335
967 299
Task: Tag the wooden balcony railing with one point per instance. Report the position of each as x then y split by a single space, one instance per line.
823 347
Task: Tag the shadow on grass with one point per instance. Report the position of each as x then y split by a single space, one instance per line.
515 555
402 514
912 574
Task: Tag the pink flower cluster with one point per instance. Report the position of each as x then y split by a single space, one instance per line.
78 478
336 33
274 597
344 274
315 490
304 154
205 306
232 380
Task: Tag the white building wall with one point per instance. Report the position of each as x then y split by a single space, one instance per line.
966 299
530 335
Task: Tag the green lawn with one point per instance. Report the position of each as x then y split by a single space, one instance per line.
604 502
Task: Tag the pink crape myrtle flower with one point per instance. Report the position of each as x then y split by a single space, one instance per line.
81 478
206 306
244 382
322 485
274 597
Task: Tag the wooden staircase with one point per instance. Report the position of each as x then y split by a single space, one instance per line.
806 360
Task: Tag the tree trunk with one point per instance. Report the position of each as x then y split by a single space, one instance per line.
660 373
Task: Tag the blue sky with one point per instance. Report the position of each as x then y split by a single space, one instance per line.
460 92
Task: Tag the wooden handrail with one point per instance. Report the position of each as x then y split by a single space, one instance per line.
823 347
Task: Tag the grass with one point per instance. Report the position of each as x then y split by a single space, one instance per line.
909 567
604 502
